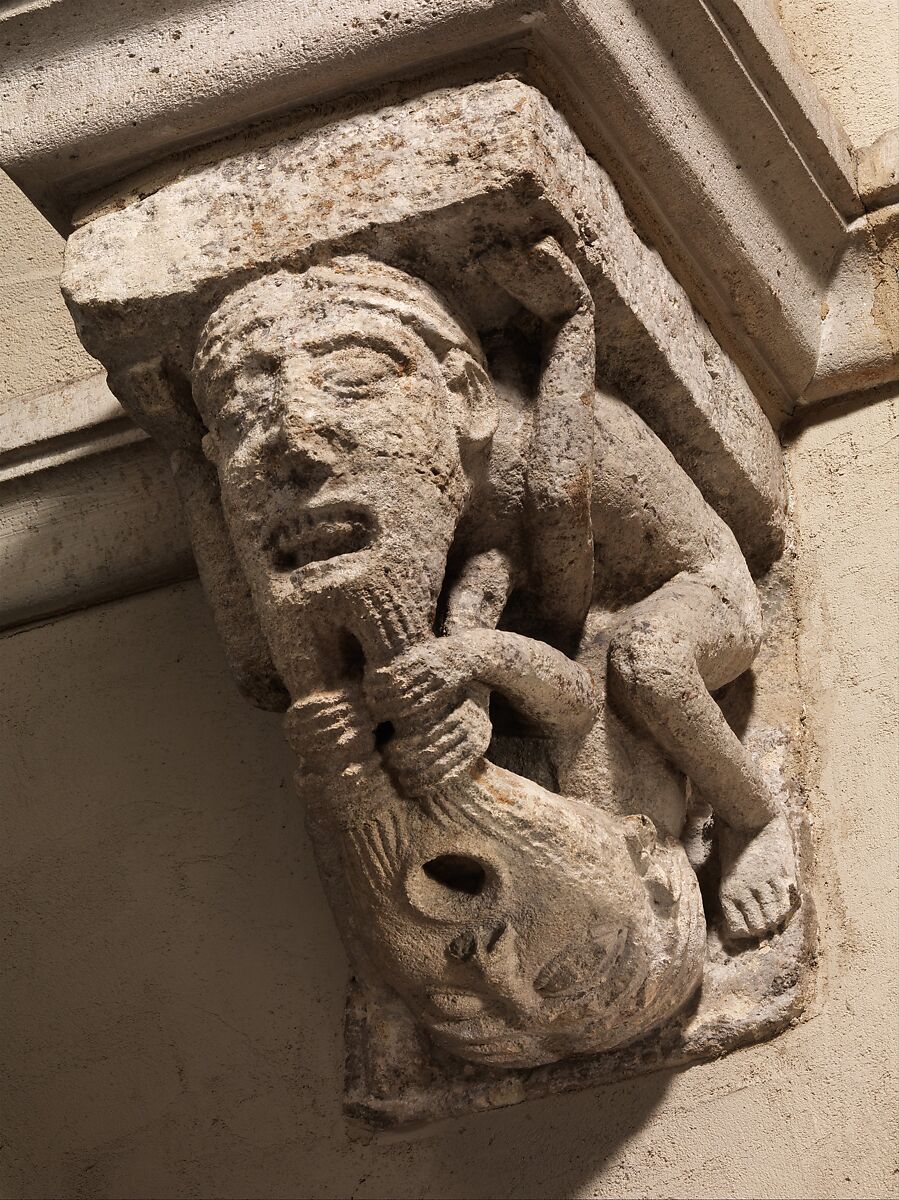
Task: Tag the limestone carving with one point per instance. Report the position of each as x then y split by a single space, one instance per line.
390 508
477 517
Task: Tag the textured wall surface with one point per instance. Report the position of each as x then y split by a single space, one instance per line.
175 984
852 52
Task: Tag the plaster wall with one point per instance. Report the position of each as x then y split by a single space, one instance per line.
174 984
852 52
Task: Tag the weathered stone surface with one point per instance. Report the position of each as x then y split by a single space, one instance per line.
395 1077
711 130
473 492
430 185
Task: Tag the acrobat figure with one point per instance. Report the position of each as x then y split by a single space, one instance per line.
419 532
673 615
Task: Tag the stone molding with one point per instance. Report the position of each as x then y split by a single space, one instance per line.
88 511
724 155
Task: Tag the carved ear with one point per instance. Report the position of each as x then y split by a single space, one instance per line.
474 398
160 403
653 862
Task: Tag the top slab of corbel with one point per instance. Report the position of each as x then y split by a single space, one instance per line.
429 184
717 141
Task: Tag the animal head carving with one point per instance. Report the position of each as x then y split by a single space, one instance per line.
521 927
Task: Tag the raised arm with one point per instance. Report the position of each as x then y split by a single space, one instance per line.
420 686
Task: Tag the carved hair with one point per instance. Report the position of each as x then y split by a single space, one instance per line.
357 282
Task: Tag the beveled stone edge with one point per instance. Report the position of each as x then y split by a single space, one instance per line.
374 48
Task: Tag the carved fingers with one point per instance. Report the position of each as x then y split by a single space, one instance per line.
389 616
330 730
758 879
425 760
541 277
417 687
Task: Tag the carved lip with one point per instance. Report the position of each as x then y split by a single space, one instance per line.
457 1005
481 1030
490 1039
470 1019
324 531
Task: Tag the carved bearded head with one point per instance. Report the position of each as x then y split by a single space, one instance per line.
345 406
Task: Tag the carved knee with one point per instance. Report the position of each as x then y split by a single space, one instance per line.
648 665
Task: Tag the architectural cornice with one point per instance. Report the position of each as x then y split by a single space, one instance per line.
715 137
271 55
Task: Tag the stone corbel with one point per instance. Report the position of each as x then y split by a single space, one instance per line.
444 427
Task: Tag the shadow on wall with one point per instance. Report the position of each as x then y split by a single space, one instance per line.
173 985
493 1156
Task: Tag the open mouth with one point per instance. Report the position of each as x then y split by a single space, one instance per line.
491 1041
320 534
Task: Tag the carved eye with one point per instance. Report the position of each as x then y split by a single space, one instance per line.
263 363
354 371
454 885
257 370
564 972
457 872
581 964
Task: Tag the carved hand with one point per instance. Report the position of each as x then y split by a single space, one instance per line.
758 878
429 758
418 687
439 731
330 730
546 685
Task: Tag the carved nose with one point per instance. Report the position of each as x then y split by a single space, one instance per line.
492 949
474 943
309 464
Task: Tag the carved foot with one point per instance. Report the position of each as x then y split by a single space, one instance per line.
758 879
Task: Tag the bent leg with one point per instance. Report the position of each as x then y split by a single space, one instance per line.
695 634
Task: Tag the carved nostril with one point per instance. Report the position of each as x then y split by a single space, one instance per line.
457 872
306 471
493 935
463 948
